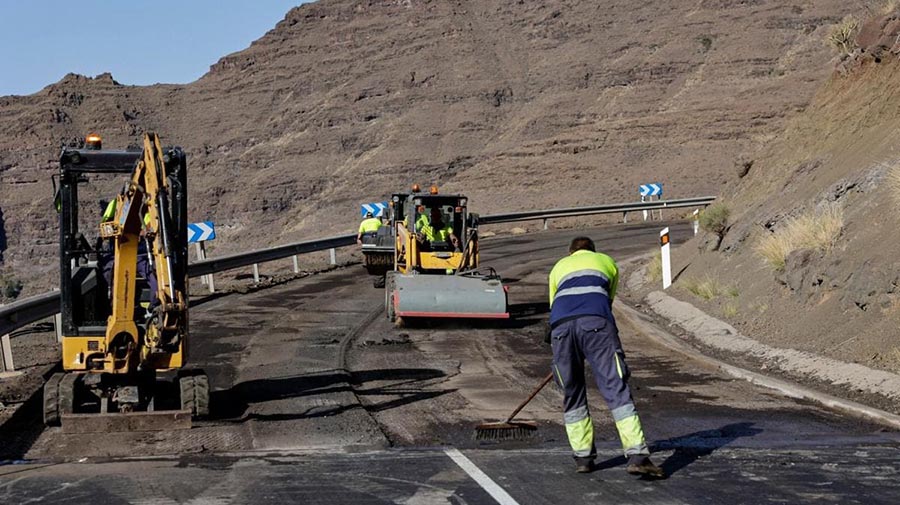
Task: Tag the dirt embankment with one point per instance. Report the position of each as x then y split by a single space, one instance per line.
519 104
809 258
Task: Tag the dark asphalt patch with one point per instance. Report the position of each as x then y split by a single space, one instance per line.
851 475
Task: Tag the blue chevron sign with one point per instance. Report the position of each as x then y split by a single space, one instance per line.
377 208
201 232
654 189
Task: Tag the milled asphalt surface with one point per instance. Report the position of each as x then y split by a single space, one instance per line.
291 425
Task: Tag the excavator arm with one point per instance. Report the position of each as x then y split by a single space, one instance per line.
142 213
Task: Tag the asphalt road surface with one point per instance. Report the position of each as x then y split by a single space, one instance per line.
317 399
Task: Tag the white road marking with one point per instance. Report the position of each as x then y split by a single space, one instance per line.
486 483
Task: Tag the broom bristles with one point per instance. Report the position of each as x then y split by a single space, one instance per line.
505 430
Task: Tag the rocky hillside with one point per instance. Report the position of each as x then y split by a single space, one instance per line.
520 104
809 260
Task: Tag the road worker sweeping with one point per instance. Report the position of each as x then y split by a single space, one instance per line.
582 288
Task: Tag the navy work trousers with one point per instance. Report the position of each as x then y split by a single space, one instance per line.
594 339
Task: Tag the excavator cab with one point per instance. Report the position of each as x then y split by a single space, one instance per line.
123 334
89 178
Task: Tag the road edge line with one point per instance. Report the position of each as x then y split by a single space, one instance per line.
786 388
481 478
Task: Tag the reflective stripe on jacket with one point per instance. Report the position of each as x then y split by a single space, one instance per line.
583 284
369 225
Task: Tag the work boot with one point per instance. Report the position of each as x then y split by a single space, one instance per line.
584 465
641 465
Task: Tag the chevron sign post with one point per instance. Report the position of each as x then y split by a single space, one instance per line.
654 189
649 191
199 233
377 208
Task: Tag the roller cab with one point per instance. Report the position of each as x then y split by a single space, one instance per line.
436 272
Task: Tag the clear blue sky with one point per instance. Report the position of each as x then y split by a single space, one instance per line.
138 41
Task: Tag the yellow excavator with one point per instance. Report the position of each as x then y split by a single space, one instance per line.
436 271
124 300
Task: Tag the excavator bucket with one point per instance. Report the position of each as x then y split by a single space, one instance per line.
446 296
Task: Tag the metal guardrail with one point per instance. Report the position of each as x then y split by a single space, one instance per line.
21 313
32 309
238 260
26 311
614 208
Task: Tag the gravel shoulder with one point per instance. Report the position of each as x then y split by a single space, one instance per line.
718 339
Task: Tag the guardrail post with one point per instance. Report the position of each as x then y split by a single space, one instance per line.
333 256
6 361
625 217
199 248
256 273
208 278
545 223
57 323
296 264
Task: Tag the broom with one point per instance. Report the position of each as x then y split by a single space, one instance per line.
509 429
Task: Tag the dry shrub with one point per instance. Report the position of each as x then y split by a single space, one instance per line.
730 310
843 35
760 307
813 230
706 288
714 218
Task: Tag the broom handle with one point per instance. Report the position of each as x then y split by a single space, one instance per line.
531 397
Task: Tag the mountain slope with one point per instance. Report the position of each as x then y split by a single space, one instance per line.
519 104
842 154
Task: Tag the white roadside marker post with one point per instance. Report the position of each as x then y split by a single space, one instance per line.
644 212
696 221
666 258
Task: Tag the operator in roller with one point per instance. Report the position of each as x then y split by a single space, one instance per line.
433 229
